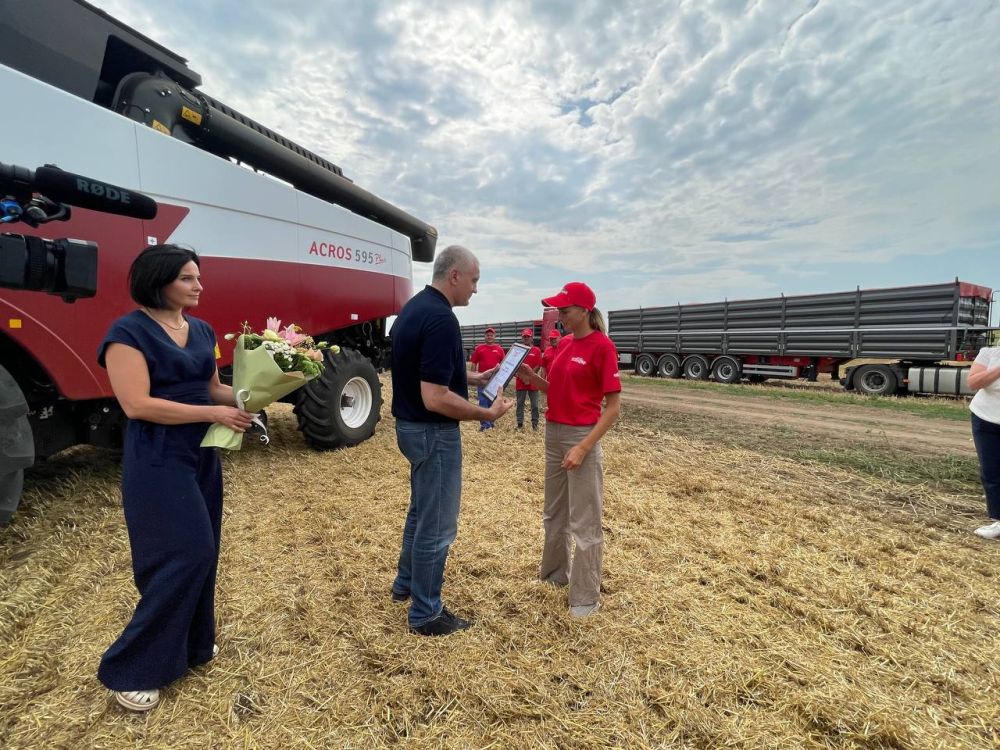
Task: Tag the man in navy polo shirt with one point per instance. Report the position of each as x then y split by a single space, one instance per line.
430 395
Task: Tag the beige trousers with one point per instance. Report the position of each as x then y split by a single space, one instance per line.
572 513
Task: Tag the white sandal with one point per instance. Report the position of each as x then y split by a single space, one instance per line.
146 700
138 700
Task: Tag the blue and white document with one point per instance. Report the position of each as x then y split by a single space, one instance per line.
505 371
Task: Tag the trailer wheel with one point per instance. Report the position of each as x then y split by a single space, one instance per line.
696 367
726 370
341 407
17 446
875 380
669 366
645 365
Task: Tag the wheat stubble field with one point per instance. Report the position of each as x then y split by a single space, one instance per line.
764 587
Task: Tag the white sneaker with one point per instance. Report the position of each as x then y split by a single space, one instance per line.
584 610
990 531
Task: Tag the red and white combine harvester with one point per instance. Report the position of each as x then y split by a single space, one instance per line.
280 230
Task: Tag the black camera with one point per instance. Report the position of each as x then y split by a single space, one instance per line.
64 267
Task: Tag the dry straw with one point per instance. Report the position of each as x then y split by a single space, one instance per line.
749 602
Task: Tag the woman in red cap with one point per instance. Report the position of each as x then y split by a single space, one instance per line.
583 373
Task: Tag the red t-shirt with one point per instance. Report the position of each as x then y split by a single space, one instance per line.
549 354
487 356
532 359
581 373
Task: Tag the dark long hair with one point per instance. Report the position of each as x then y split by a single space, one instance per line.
156 267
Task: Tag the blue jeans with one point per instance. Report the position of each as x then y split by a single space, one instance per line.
987 439
485 403
435 454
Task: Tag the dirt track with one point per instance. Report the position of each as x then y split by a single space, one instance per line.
922 434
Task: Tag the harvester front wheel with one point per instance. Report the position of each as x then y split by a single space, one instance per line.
17 446
341 407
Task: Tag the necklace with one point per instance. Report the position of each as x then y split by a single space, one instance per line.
164 323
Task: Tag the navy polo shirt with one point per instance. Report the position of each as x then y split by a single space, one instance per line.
426 346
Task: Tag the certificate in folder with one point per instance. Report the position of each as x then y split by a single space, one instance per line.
506 370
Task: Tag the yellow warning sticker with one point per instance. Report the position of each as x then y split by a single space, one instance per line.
157 125
14 323
191 115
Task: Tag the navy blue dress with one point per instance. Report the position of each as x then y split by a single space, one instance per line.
172 495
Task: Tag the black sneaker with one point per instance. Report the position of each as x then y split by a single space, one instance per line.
400 597
444 624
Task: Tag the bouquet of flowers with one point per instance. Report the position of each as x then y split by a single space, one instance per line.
267 366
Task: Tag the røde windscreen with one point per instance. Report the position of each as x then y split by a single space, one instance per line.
86 192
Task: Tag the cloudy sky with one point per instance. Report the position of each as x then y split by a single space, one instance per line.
660 151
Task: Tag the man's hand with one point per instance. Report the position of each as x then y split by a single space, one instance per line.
500 407
482 378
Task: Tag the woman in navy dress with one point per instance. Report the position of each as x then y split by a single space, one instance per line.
162 368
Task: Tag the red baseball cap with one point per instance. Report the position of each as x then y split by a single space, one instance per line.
574 293
553 334
491 330
527 332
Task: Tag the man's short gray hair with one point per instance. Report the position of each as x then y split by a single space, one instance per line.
451 256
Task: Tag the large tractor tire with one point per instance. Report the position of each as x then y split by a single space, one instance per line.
341 407
17 446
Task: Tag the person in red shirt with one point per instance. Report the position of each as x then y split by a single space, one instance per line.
583 373
485 357
523 388
547 356
550 352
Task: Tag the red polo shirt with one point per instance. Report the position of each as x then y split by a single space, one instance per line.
532 359
487 356
581 373
549 354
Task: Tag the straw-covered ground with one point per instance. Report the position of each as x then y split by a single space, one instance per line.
752 600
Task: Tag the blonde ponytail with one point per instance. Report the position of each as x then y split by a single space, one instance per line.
597 321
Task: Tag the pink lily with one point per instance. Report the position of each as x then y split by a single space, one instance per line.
274 324
292 336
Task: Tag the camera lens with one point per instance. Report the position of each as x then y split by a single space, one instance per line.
64 267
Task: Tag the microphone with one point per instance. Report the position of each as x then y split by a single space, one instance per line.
86 192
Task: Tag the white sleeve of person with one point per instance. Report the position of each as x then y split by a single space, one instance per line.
986 403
